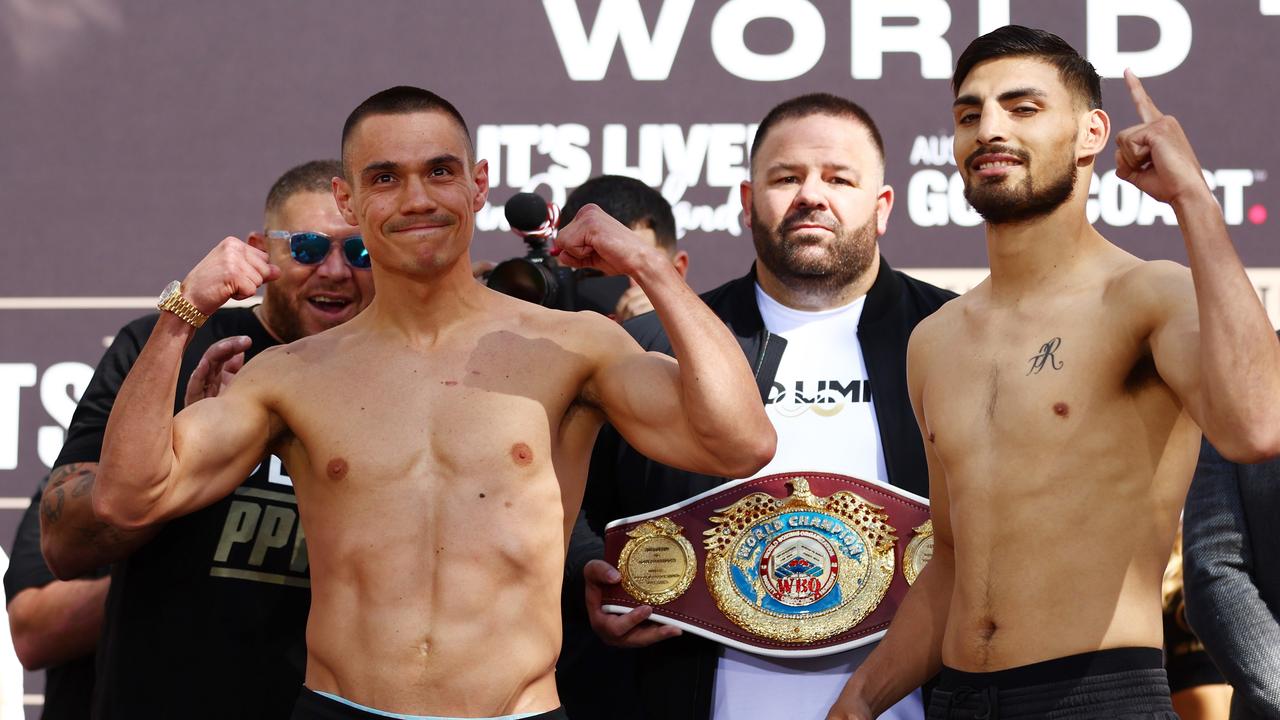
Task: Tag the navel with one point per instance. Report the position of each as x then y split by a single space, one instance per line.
1061 410
337 468
521 453
931 437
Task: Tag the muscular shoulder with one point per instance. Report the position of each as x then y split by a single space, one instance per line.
1150 289
584 334
272 368
588 332
947 317
1151 281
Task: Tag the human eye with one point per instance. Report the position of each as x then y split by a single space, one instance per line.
1025 110
441 171
381 178
966 117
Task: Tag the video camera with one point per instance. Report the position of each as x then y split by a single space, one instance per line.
537 277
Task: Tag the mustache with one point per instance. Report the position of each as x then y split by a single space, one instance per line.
411 220
1022 155
808 217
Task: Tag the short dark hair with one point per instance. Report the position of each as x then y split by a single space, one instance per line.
401 100
314 176
627 200
817 104
1075 72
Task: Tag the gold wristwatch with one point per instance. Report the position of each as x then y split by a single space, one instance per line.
171 299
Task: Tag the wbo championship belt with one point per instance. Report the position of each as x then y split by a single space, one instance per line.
789 565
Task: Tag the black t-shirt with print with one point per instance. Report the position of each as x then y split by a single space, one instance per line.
208 619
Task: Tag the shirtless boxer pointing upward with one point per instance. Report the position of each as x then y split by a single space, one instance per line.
1060 400
439 441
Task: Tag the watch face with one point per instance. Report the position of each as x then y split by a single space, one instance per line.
170 289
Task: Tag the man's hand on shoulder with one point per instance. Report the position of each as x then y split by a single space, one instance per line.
216 368
630 630
233 269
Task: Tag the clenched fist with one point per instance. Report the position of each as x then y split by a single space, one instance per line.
596 240
233 269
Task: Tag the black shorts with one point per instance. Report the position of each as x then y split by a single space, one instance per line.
1118 684
314 706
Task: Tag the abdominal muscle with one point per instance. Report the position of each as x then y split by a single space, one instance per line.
438 598
1062 566
1039 603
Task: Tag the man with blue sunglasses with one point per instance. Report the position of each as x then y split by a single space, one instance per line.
211 605
439 441
324 267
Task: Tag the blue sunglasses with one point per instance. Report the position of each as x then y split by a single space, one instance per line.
311 248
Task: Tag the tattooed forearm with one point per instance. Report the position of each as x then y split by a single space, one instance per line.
73 539
101 533
78 475
51 503
1045 357
83 482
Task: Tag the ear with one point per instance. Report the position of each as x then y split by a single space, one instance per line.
884 206
681 262
342 196
744 194
258 241
481 176
1093 135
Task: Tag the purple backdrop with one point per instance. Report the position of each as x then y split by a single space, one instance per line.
136 135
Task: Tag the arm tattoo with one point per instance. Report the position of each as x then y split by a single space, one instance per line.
55 495
101 533
1045 357
51 503
84 482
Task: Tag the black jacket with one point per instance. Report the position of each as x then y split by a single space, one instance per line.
1231 576
673 679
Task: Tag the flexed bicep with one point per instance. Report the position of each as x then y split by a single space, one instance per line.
216 444
199 457
642 395
701 421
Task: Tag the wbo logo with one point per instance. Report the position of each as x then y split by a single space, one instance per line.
800 568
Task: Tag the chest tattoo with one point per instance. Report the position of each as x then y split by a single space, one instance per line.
1045 357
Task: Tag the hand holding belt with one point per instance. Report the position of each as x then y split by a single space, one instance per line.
792 565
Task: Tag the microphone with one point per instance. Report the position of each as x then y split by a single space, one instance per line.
531 216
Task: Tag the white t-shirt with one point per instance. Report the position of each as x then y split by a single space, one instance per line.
821 407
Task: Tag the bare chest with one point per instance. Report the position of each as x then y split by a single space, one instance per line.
432 417
1028 385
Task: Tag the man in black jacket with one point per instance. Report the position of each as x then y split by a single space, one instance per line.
824 321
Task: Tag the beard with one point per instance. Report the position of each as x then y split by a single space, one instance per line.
286 321
849 252
999 202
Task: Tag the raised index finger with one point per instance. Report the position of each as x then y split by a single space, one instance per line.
1147 109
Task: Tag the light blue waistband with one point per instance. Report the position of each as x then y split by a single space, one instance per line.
400 716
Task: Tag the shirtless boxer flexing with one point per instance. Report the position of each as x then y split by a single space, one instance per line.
438 442
1060 400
